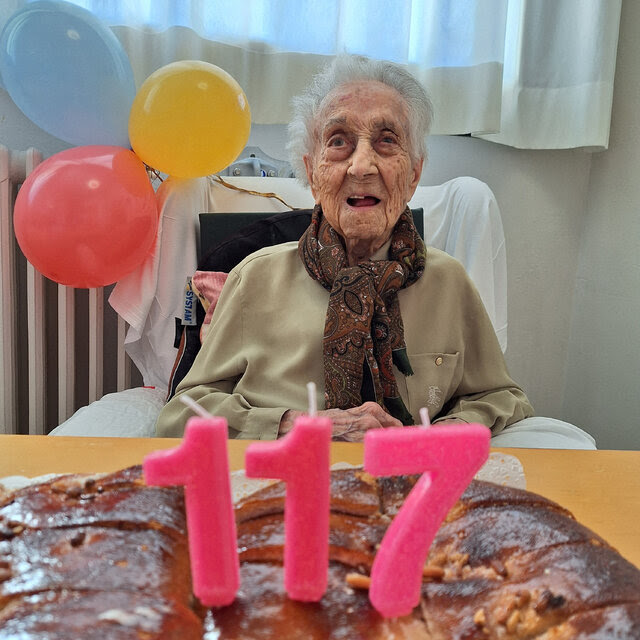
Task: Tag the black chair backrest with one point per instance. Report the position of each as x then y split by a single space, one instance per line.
227 238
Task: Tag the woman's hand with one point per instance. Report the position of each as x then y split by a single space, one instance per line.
349 425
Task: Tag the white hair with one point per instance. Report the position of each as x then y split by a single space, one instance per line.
346 69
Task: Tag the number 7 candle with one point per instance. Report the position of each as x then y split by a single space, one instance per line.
448 457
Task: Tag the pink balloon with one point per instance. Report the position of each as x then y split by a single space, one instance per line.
87 216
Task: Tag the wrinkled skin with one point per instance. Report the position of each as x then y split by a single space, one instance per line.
361 169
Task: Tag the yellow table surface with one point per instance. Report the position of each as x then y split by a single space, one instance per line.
601 488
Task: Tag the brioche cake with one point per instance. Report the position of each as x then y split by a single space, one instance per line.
107 557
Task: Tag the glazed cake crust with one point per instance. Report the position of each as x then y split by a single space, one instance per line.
95 556
107 556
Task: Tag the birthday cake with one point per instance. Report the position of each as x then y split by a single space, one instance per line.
107 557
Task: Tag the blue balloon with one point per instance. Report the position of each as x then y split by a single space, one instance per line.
68 73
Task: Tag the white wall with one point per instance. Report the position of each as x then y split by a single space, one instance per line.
572 227
603 365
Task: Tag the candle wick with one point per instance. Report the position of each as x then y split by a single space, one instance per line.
194 406
313 405
424 417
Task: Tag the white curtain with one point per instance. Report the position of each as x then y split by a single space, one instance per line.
525 73
559 67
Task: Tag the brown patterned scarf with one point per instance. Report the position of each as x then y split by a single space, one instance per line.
363 334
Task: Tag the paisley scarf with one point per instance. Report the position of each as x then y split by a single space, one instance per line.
363 334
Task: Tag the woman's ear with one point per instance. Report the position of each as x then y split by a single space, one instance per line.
414 180
308 166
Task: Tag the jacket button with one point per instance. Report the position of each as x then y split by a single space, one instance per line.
439 361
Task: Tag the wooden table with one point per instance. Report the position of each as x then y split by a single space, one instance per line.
601 488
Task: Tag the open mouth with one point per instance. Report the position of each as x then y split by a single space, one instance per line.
362 201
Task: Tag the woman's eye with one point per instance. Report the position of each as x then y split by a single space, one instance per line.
337 141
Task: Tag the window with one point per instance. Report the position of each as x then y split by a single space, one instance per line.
526 73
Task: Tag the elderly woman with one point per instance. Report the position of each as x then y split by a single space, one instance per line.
382 325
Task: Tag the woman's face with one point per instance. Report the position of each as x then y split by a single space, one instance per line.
361 170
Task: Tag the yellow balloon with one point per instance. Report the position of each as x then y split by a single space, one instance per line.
189 119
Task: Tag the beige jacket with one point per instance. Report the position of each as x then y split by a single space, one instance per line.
265 343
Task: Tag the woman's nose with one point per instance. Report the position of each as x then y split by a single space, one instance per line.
363 160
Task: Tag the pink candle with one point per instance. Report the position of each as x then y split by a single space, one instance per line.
301 459
448 457
201 464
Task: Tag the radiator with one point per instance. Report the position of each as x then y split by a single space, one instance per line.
60 348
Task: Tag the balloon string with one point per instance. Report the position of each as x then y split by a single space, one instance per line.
218 179
153 174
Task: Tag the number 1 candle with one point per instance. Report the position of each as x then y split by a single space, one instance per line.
201 464
448 456
301 459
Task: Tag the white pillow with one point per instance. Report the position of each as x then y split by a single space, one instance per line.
539 432
129 414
